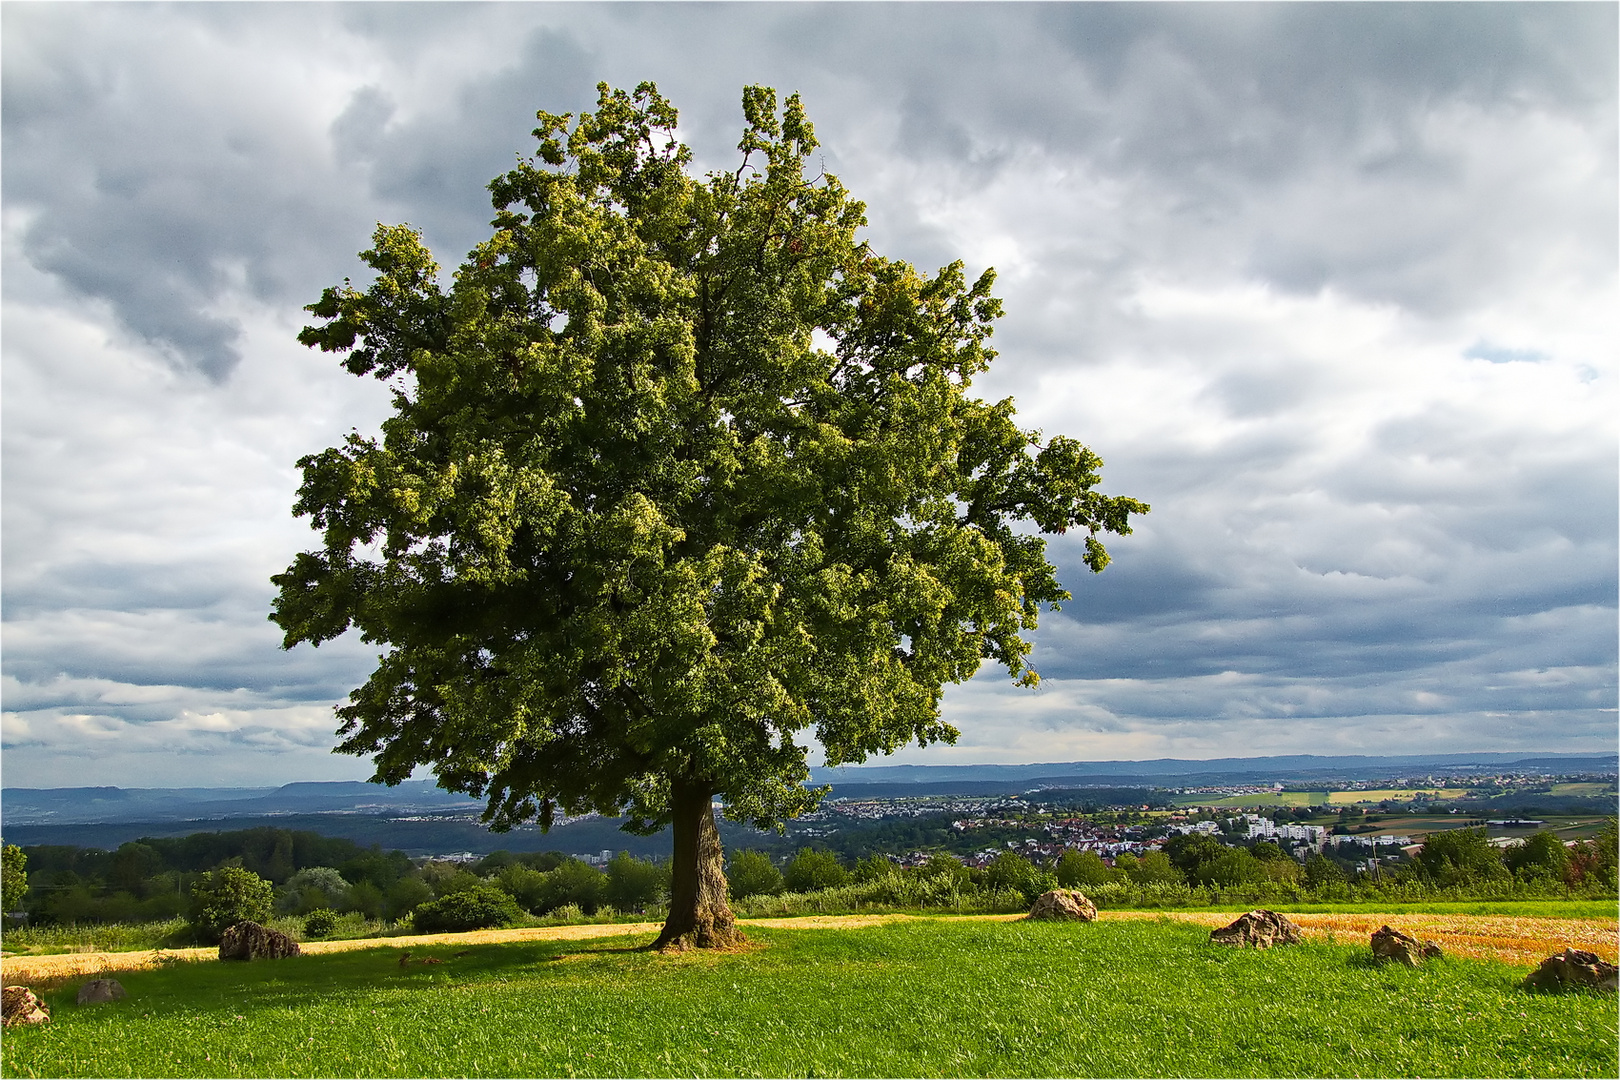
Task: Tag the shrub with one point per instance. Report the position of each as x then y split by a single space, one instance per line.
476 908
320 923
752 873
225 897
811 870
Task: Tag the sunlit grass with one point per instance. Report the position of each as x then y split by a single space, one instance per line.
918 998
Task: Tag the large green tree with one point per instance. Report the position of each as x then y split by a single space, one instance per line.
677 469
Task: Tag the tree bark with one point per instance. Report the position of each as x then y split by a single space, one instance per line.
699 914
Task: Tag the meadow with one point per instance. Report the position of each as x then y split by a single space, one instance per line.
922 997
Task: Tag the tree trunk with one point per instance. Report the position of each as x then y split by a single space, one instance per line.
699 916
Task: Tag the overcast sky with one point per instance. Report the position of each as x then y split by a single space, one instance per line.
1331 286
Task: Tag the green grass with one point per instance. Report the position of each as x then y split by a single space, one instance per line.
928 998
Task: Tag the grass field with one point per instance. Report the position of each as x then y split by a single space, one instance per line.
924 997
1589 790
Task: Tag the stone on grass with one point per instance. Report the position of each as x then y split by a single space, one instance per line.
1063 905
1573 968
1389 943
19 1005
100 992
250 941
1258 929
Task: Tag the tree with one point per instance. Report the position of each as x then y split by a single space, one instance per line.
811 870
222 898
1084 868
634 884
1458 856
678 468
13 877
1154 866
752 873
1541 855
314 887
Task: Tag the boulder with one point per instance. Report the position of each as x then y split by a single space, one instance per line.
1573 968
19 1005
250 941
1259 929
1389 943
1063 905
100 992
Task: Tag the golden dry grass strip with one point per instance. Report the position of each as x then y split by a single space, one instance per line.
1520 941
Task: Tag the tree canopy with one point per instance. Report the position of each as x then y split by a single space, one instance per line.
678 468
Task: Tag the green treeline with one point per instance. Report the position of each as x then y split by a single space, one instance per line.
212 878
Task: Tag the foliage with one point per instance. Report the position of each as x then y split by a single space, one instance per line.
525 885
752 873
1456 856
227 896
1541 855
13 877
942 997
1010 871
810 870
320 923
1321 871
1078 869
313 888
1593 862
677 469
573 883
635 884
466 909
445 878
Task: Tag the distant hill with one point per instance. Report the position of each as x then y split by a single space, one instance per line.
420 818
1179 772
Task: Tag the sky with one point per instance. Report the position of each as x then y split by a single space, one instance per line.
1331 286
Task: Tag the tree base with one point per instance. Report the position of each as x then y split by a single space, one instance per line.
721 934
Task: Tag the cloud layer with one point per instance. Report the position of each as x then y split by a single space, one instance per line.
1331 286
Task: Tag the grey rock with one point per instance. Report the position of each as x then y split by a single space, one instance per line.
1389 943
1063 905
19 1006
1257 929
100 992
1571 969
250 941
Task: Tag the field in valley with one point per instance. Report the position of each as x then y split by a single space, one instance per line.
1131 995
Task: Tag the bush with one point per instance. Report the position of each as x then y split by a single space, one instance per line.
811 870
476 908
752 873
225 897
320 923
